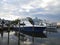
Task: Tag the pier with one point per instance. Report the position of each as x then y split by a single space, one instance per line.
5 29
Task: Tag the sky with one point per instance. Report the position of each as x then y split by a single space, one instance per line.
43 9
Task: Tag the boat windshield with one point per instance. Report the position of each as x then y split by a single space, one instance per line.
27 23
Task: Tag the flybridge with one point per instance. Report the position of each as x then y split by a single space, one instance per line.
37 22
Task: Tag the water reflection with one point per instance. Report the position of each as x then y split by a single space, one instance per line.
51 30
53 38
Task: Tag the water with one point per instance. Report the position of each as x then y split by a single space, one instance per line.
53 38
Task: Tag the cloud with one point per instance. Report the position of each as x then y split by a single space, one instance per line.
8 16
30 8
50 6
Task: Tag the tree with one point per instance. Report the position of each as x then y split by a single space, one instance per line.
8 24
32 22
2 27
15 22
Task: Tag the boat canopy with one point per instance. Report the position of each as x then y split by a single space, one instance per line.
26 22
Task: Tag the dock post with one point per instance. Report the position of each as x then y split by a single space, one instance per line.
19 34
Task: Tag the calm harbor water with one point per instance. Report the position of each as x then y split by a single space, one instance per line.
53 38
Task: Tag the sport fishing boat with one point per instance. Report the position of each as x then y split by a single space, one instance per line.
27 28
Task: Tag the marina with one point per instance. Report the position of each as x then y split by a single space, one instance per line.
27 32
29 22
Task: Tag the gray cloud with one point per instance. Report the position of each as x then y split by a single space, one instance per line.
31 8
